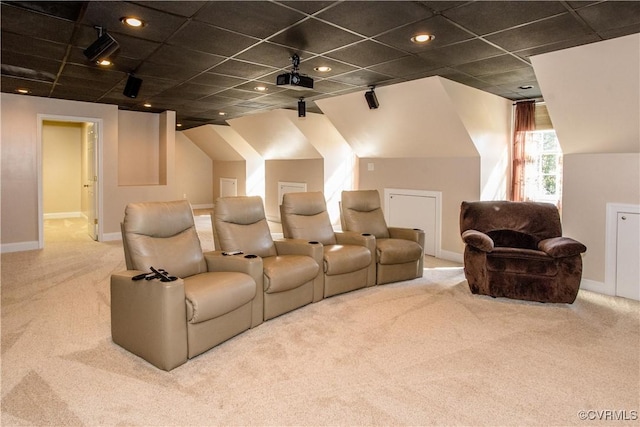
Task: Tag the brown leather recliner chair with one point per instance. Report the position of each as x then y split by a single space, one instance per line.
214 297
292 276
348 256
399 250
516 250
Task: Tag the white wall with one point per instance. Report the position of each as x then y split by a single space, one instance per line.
457 178
194 181
21 165
138 148
593 97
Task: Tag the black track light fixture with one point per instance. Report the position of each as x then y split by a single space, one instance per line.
302 108
102 48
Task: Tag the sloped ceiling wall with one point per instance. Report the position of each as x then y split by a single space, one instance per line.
275 136
593 95
414 119
487 119
211 140
222 143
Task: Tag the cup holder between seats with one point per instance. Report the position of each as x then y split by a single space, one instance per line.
251 256
313 242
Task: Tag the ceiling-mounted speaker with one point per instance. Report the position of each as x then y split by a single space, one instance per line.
132 87
101 48
302 108
372 99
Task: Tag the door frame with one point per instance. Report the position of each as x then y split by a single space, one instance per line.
611 243
39 165
437 195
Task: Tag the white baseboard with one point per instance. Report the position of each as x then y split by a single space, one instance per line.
61 215
451 256
108 237
18 247
599 287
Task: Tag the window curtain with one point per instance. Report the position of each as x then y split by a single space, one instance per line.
525 121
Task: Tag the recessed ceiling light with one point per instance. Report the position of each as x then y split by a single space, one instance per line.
222 113
179 125
323 69
146 104
22 91
422 38
260 88
525 87
104 62
132 21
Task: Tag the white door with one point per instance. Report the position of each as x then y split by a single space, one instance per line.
91 180
628 255
414 211
228 187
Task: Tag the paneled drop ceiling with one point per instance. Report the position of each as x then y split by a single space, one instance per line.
204 59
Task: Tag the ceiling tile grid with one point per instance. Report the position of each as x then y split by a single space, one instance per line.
205 59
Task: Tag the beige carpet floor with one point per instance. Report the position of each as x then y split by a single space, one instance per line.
420 352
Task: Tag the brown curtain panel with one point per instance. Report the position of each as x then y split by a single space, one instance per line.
525 121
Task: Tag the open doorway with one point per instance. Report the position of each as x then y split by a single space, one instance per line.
69 171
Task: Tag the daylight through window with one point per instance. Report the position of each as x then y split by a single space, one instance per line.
543 170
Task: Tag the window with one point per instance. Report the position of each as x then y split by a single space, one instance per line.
543 167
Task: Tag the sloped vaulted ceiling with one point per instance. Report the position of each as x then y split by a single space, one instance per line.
415 119
274 136
606 117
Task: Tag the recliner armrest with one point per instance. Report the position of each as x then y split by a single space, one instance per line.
414 234
356 238
478 240
561 247
241 263
149 318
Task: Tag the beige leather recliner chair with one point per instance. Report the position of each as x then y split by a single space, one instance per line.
214 297
399 251
349 261
292 276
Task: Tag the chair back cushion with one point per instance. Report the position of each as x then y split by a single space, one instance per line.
521 224
304 216
361 212
240 224
163 235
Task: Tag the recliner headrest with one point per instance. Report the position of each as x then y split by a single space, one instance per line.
361 200
158 219
242 210
305 203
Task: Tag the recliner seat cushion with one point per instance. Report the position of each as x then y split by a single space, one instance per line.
211 295
397 251
341 259
286 272
521 261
